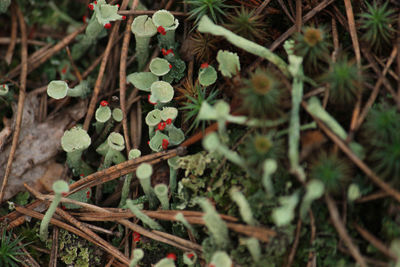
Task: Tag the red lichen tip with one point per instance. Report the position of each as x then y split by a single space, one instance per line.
63 207
170 51
90 6
104 103
84 19
204 65
148 99
163 51
95 2
64 194
165 144
136 237
170 66
88 194
148 142
118 5
168 121
4 86
107 26
171 256
123 17
190 255
161 126
64 70
161 30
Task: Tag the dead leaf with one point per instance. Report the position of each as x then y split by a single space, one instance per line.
38 144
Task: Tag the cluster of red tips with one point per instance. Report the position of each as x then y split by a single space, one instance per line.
171 256
161 30
136 236
204 65
104 103
90 6
123 17
168 121
148 99
167 52
161 126
190 255
165 144
170 66
64 70
88 194
107 26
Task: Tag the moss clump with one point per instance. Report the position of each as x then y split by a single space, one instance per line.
261 94
331 170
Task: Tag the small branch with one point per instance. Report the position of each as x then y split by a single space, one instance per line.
295 244
341 229
21 99
122 77
353 157
13 38
375 242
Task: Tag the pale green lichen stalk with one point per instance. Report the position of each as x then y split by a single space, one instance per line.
190 258
207 26
315 108
214 224
253 245
221 259
212 144
3 89
143 173
60 89
315 190
143 217
181 218
133 154
111 150
161 191
137 255
173 164
166 262
269 167
143 28
244 207
59 187
296 70
169 24
74 142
